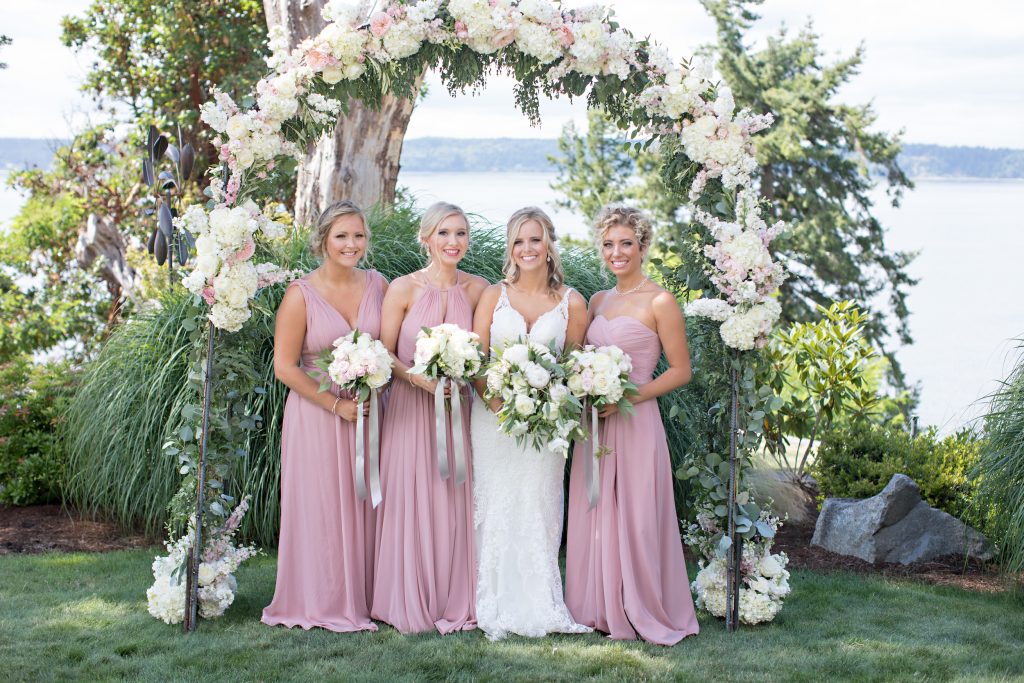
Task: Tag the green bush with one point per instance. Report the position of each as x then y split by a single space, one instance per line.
33 401
132 394
858 461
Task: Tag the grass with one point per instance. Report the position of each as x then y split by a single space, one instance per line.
82 616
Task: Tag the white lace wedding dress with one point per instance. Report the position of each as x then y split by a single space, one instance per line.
517 502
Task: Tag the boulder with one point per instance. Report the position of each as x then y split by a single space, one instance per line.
895 526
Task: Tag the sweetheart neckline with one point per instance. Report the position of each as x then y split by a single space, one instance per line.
627 317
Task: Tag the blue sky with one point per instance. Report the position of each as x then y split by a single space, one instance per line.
946 72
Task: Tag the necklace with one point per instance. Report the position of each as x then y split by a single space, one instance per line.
630 291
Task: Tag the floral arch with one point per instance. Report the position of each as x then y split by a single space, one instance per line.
708 157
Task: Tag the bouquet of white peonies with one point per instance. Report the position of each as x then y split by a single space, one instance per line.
452 356
537 405
599 376
449 351
360 364
217 585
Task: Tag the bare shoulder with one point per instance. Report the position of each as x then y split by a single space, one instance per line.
597 298
665 304
576 299
490 293
379 275
475 284
292 301
402 285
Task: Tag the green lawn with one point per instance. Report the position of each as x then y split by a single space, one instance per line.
83 617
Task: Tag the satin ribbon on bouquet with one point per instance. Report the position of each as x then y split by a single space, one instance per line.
591 465
458 444
375 494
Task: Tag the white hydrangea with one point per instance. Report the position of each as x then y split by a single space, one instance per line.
744 330
539 41
714 309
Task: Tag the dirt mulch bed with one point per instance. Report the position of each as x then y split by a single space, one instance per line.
44 528
795 540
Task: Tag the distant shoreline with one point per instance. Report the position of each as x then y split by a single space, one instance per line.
532 155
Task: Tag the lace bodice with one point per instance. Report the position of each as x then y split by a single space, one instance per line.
509 325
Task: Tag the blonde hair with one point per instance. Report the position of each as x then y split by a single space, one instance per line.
628 217
433 217
556 276
345 207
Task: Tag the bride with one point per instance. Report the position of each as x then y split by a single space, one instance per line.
517 491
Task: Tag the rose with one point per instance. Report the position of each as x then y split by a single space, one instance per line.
207 574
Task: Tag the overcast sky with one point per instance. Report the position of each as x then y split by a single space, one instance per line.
947 72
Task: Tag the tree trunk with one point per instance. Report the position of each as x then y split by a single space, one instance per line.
360 160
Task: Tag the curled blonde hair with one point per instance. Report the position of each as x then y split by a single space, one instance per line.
345 207
627 217
556 276
433 217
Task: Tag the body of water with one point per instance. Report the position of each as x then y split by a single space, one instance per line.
964 312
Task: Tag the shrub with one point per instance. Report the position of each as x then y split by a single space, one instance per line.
1001 465
33 400
859 460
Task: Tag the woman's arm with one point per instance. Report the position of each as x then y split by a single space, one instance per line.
482 318
289 333
576 329
672 333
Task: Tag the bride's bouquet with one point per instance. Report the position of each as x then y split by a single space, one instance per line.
599 376
537 405
360 364
451 356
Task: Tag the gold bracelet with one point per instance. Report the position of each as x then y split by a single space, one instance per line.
334 407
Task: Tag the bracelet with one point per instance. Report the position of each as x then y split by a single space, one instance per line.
335 406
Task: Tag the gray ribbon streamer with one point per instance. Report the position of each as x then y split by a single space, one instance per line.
360 457
439 428
375 493
591 466
458 439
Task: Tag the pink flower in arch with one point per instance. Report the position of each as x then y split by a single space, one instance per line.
380 22
460 30
208 295
565 36
318 61
243 254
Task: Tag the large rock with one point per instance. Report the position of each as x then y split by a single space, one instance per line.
895 526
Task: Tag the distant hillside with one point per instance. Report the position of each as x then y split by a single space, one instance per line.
20 153
483 155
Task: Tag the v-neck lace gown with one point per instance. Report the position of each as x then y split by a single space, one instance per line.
425 575
624 568
325 552
518 498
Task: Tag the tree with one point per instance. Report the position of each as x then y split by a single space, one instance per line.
591 167
818 164
4 40
359 160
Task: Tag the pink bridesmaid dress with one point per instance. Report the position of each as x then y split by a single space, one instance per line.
425 574
325 552
625 574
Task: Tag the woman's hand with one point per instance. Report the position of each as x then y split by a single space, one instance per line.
429 385
347 409
609 409
495 404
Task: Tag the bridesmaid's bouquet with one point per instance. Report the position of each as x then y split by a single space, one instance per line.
599 376
537 407
360 364
448 353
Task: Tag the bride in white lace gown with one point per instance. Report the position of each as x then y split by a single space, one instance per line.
517 491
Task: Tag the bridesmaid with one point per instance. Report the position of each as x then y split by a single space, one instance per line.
425 562
625 573
325 554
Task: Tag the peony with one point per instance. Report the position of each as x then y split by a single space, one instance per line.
525 405
207 574
537 376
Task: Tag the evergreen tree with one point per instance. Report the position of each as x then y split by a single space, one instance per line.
818 165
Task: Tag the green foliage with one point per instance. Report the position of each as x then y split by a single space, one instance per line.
819 371
117 428
591 168
33 399
1001 465
858 461
4 40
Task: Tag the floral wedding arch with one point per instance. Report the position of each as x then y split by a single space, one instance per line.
708 157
